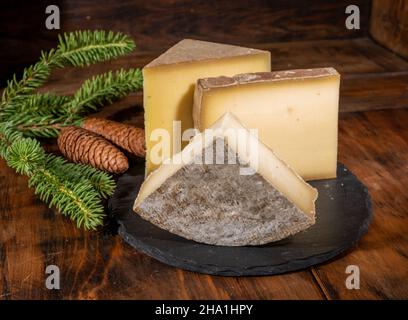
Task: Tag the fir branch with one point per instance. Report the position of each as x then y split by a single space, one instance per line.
43 115
39 104
79 201
42 104
7 136
25 156
47 126
104 88
82 48
40 115
76 190
76 198
39 126
80 173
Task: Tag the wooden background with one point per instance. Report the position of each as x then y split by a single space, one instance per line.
373 143
157 24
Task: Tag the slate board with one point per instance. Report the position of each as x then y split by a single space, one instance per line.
343 216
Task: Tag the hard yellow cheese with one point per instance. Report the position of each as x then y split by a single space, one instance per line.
169 83
296 113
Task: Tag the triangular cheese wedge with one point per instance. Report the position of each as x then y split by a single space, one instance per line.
190 50
227 188
169 82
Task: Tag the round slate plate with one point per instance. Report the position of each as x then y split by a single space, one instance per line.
343 215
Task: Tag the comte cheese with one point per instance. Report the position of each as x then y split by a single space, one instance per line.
169 83
202 194
295 111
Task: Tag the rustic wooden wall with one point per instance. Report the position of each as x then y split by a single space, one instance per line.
157 24
389 24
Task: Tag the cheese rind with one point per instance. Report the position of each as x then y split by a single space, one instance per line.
169 83
295 111
215 204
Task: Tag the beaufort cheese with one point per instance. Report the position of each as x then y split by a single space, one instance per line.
296 113
169 83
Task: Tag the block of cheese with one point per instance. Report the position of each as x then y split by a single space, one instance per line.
296 113
227 188
169 83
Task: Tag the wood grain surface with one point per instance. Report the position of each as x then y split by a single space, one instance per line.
158 24
389 24
374 145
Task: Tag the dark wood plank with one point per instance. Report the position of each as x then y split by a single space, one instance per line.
158 24
374 91
374 145
349 56
389 24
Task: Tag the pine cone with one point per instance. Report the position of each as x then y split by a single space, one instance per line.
82 146
131 139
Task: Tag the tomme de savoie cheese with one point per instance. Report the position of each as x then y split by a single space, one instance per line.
169 83
227 188
295 111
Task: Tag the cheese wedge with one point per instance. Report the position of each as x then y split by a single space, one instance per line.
169 83
295 111
227 188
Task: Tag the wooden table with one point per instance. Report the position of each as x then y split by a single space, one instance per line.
99 265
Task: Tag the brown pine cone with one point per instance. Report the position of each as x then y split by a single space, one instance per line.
131 139
82 146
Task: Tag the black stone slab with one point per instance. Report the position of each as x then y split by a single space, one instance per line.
343 215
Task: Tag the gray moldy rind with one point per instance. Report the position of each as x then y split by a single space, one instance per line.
257 77
215 204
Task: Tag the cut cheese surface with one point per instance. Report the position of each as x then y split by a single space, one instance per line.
295 111
169 83
207 194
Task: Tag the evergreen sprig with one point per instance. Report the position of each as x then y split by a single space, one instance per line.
44 126
77 173
7 136
37 103
79 48
105 88
43 115
25 156
82 48
79 201
75 190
